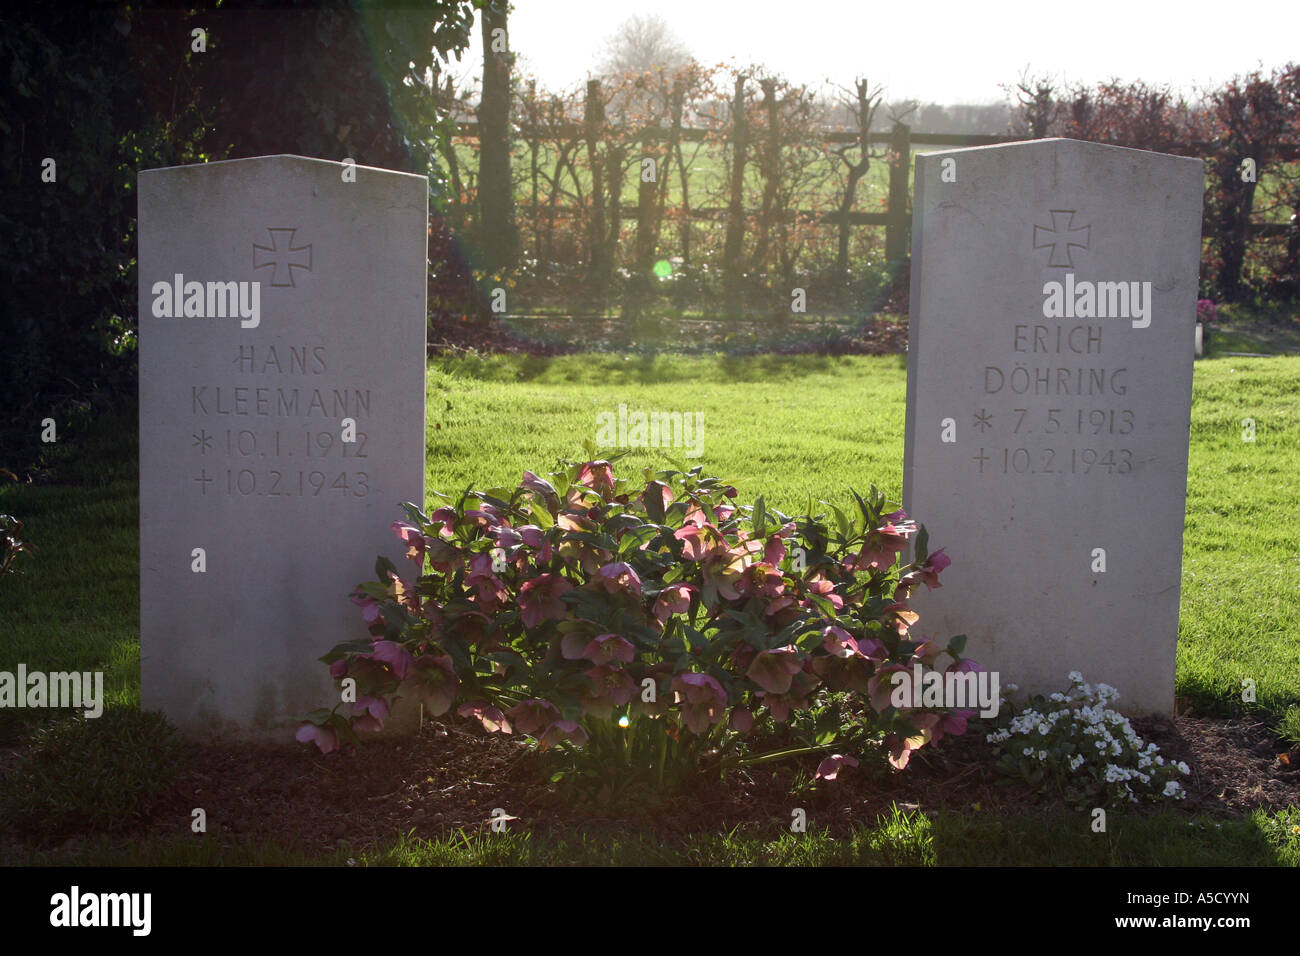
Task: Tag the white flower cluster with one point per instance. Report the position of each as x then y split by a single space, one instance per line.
1085 727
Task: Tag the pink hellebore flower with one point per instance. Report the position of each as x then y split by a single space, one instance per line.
674 599
535 538
612 682
607 648
927 652
530 716
539 485
598 476
839 642
619 576
764 579
339 668
544 488
775 669
485 516
369 607
953 723
561 731
326 738
433 680
780 705
491 589
873 650
492 719
742 720
366 724
697 688
540 599
884 543
881 686
819 585
446 516
774 552
903 617
703 701
413 538
532 535
829 768
725 570
900 747
693 545
928 573
390 652
779 605
377 707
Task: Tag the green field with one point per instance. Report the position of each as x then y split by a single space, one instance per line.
822 177
793 429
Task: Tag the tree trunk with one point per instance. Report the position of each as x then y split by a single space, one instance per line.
735 237
593 123
499 239
770 166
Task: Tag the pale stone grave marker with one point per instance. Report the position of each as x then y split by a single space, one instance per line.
282 357
1049 384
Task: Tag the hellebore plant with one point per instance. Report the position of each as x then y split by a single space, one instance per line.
648 625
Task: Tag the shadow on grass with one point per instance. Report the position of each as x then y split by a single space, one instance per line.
1144 838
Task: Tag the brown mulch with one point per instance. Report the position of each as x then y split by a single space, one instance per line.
451 776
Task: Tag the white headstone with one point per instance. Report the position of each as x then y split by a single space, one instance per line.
282 303
1049 389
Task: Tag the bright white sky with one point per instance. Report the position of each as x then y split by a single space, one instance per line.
931 50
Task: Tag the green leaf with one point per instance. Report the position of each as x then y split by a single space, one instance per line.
541 516
841 522
957 645
922 545
636 538
654 501
418 517
823 604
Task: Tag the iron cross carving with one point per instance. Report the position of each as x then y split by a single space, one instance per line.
282 257
1059 238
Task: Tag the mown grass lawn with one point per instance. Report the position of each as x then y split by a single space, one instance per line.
792 429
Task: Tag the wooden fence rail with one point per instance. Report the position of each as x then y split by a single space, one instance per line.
897 218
